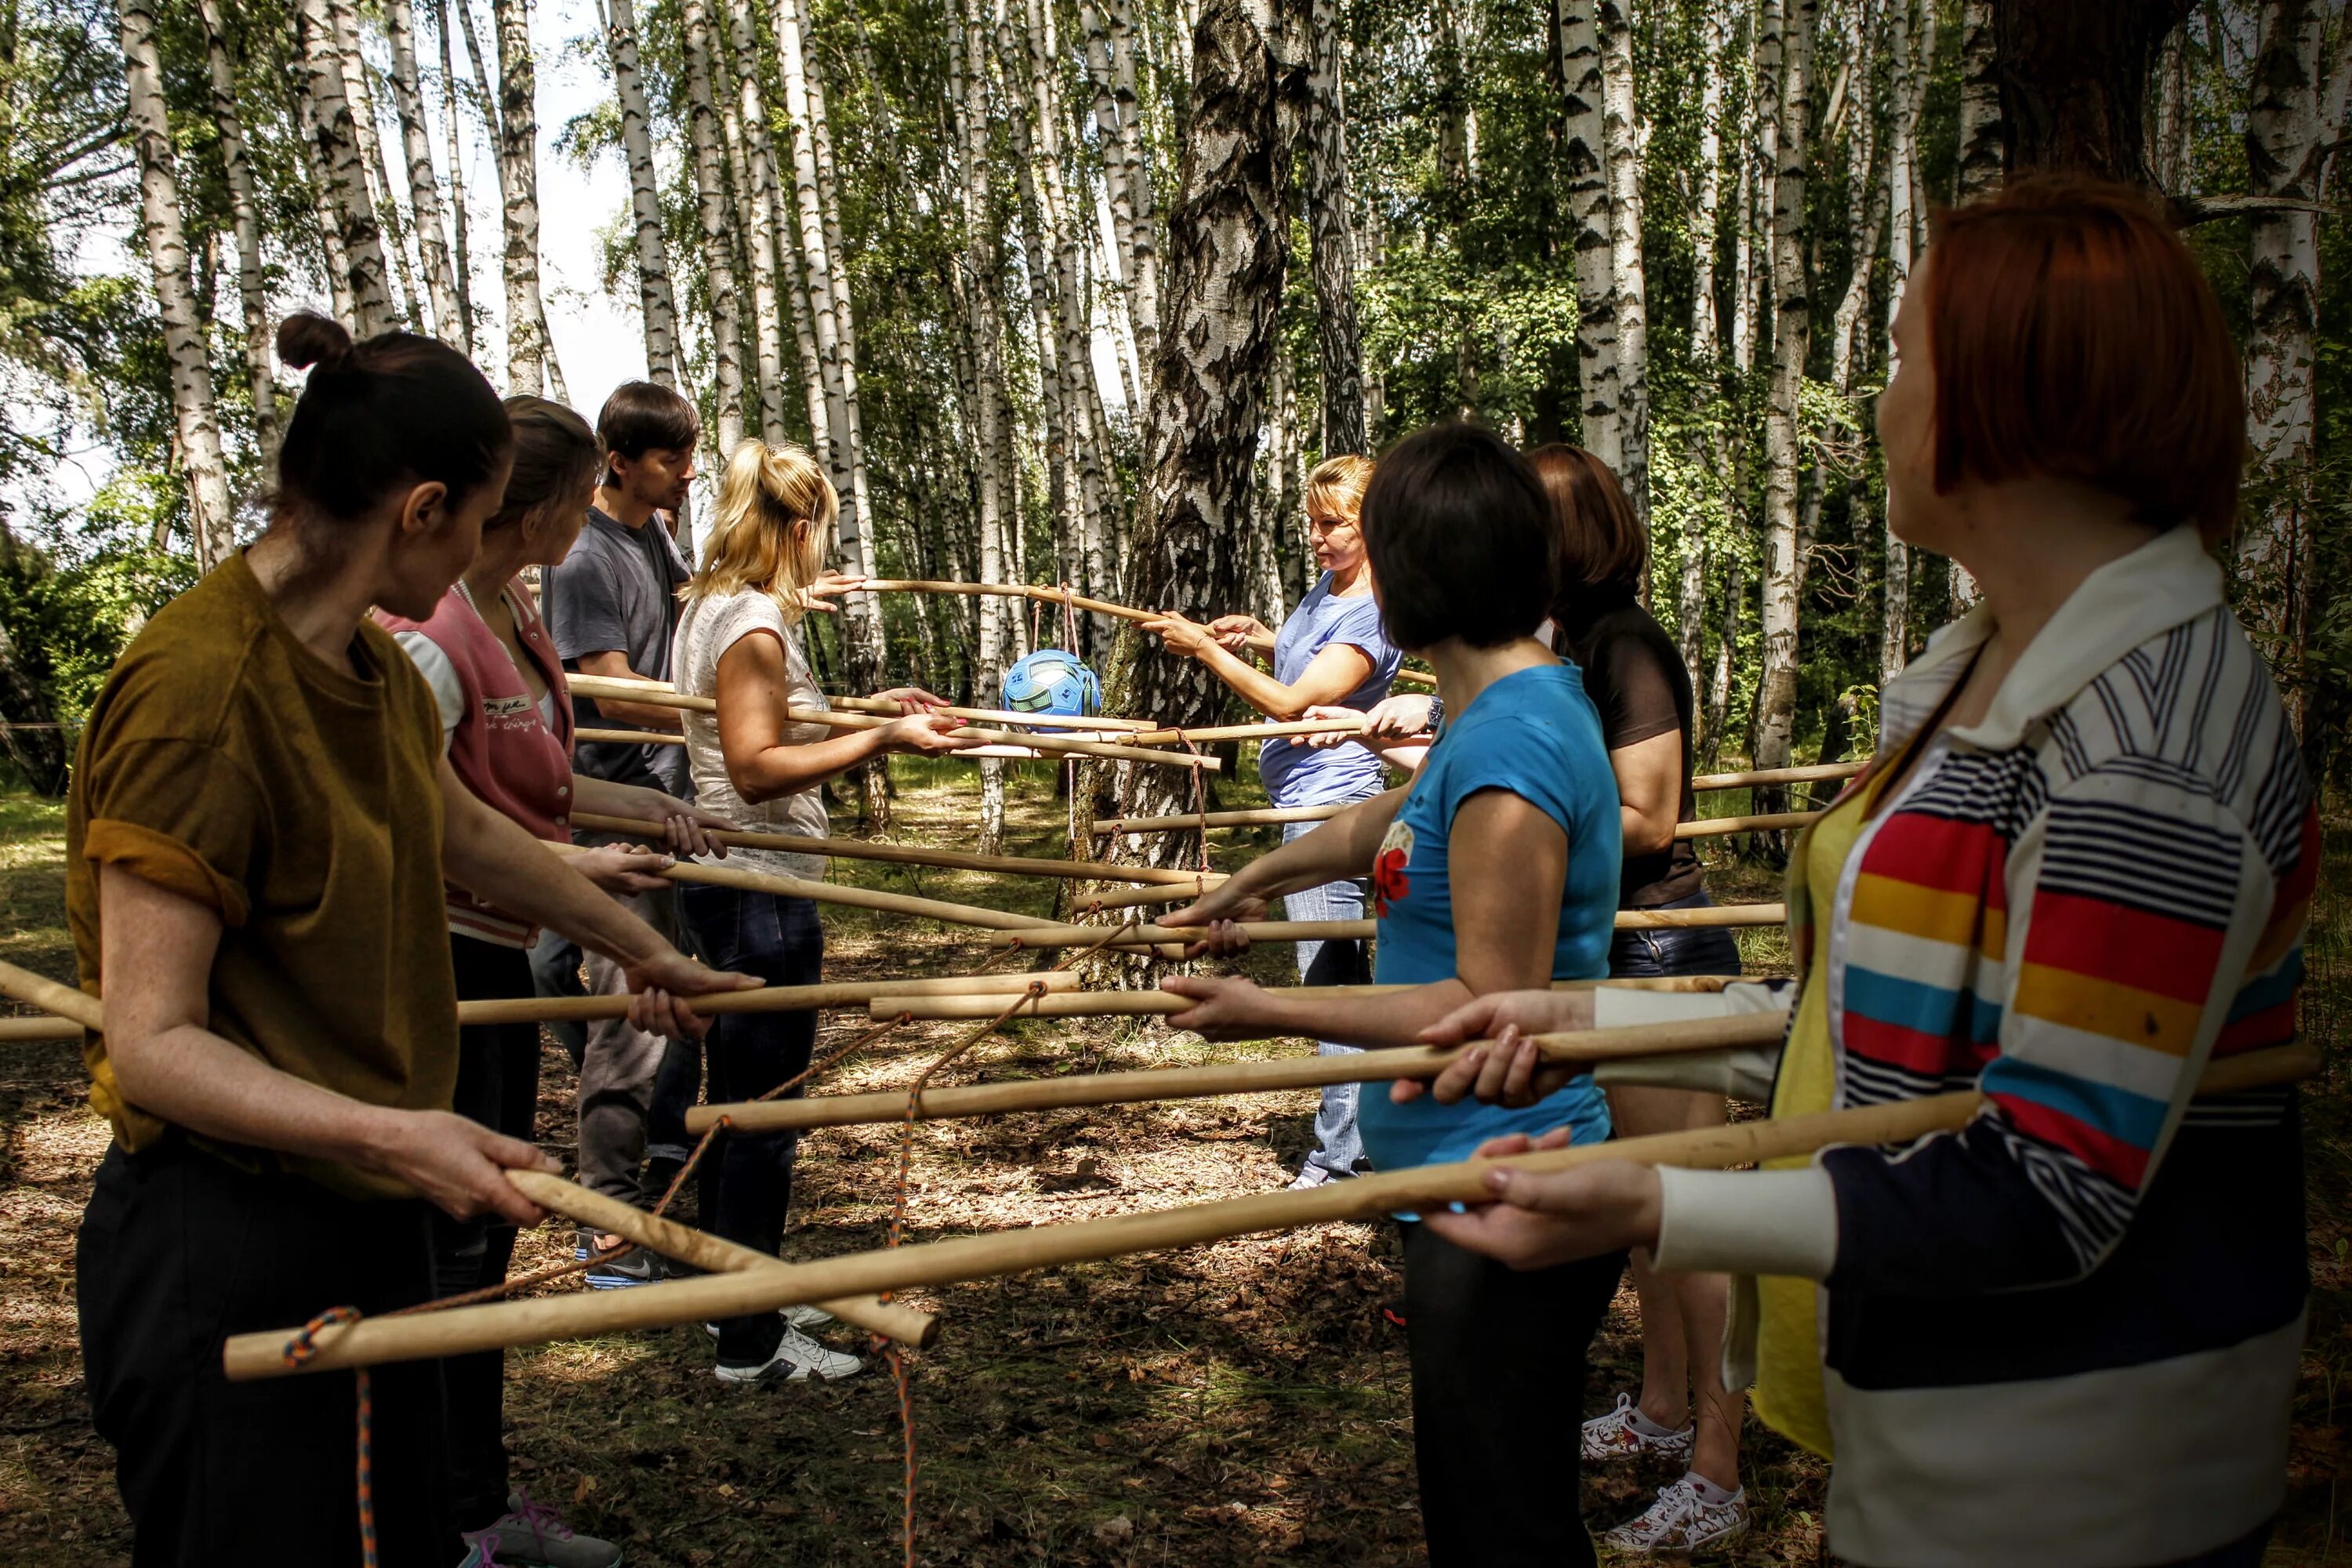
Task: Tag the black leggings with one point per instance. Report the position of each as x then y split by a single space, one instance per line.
178 1250
497 1086
1497 1385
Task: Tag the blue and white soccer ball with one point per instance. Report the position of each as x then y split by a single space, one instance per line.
1051 680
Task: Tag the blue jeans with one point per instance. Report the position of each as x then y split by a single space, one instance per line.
1338 1147
1699 949
782 941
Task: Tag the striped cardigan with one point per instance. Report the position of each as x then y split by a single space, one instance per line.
2067 1334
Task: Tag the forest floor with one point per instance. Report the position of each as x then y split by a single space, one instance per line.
1226 1405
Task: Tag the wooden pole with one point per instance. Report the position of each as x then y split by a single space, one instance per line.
1049 745
461 1329
1716 827
710 1252
632 688
1263 646
1248 732
1140 898
1072 1002
837 893
1813 772
906 854
993 989
1357 931
1259 1076
67 1002
18 1030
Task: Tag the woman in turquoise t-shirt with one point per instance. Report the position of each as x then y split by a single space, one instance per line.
1496 868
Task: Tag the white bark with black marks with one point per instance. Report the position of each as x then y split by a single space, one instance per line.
530 357
1981 159
336 137
423 186
1584 154
244 215
656 303
345 16
461 261
1623 136
1339 341
709 153
1784 83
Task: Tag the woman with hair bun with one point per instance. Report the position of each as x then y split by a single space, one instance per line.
739 643
258 831
1331 649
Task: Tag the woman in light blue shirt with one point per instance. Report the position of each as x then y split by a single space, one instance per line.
1331 649
1498 867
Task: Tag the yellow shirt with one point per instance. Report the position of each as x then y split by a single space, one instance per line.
1788 1396
299 802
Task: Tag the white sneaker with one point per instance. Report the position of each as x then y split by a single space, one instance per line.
797 1358
1617 1435
1681 1520
1308 1180
807 1316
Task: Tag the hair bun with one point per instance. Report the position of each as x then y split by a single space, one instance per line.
307 340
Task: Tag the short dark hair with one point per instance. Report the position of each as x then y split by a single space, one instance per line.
640 415
375 416
1461 537
1601 545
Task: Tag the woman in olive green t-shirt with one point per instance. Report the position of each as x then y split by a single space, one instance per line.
258 829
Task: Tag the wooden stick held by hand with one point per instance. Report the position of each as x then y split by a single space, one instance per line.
904 854
1356 931
1742 1029
461 1329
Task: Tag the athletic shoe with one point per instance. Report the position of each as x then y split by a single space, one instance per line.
1309 1179
1625 1432
1682 1519
807 1316
533 1535
638 1267
797 1358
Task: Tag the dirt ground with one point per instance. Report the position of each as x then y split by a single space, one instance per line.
1227 1405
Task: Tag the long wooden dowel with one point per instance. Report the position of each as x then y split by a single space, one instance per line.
711 1253
1052 745
1358 930
1028 590
905 854
634 689
1813 773
460 1329
993 989
838 893
1287 729
24 1030
1261 816
1069 1002
1140 898
68 1002
1259 1076
1717 826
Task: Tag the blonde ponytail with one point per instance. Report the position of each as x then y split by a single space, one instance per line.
775 516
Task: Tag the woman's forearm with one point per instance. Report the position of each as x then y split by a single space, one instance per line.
194 1079
603 798
497 861
1253 684
1375 1022
1342 847
788 767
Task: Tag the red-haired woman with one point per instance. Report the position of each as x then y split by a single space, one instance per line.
2079 871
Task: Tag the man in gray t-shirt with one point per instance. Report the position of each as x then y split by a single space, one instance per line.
616 592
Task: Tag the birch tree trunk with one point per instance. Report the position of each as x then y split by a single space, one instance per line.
656 303
1054 410
2282 154
323 206
337 140
1623 137
1585 157
1915 64
1227 243
361 97
703 136
747 131
453 152
1784 83
1280 514
530 357
1980 158
244 214
193 416
423 188
1331 237
1690 593
1127 179
857 545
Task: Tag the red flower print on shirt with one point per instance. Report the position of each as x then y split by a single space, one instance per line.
1390 883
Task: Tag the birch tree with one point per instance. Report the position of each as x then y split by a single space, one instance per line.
461 261
1707 445
657 305
2284 154
423 188
1621 137
345 18
1127 178
1338 341
325 208
1784 85
193 416
336 138
244 214
1584 159
531 356
747 130
1980 157
710 201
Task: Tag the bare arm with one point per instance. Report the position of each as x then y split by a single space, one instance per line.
1328 677
1649 791
614 665
1509 861
752 689
156 949
1341 847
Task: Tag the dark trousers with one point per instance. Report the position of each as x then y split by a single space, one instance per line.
782 941
1699 949
497 1086
178 1250
1497 1378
